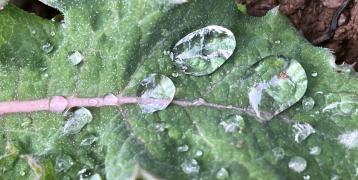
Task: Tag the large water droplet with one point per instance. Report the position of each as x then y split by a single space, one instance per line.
297 164
183 148
275 84
222 174
233 123
307 103
203 51
315 151
77 121
89 140
63 163
302 131
190 166
75 58
47 47
156 92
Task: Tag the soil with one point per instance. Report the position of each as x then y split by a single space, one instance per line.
314 19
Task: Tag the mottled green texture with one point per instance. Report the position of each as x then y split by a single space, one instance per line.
123 42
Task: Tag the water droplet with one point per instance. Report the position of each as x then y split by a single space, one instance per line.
27 122
63 163
175 74
233 123
22 173
156 92
47 47
222 174
159 127
335 177
314 74
110 99
77 121
278 42
199 102
75 58
302 131
190 166
306 177
84 173
204 51
349 139
89 140
33 32
278 153
315 151
199 153
275 84
183 148
297 164
52 33
95 177
308 103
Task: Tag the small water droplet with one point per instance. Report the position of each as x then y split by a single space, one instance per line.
47 47
89 140
335 177
175 74
349 139
302 131
315 151
75 58
278 153
308 103
199 153
190 166
52 33
222 174
314 74
204 51
27 122
183 148
199 102
77 121
63 163
275 84
95 177
278 42
306 177
156 92
22 173
233 123
33 32
159 127
297 164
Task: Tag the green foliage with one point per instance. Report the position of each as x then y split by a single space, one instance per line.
123 42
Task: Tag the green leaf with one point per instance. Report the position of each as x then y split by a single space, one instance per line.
122 42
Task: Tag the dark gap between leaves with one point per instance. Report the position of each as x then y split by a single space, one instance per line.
36 7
